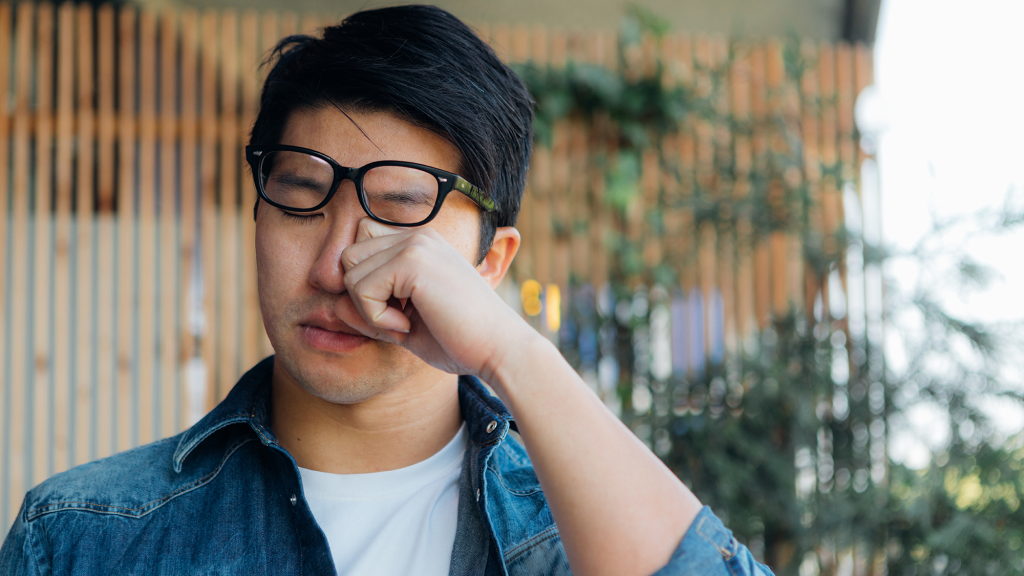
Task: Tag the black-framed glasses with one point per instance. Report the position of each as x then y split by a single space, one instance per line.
390 191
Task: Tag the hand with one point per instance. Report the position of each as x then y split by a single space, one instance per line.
413 288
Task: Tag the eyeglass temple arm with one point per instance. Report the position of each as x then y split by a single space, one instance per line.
478 195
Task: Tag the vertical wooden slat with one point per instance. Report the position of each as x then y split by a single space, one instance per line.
310 25
227 265
210 32
187 256
289 24
830 199
127 407
863 76
811 141
170 293
669 164
5 143
43 392
63 335
86 351
601 153
8 507
18 474
540 172
146 383
759 141
578 219
726 234
681 217
775 69
519 51
251 323
845 98
541 165
743 149
106 416
705 174
559 192
646 203
793 178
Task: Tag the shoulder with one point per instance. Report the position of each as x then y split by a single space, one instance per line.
109 485
129 484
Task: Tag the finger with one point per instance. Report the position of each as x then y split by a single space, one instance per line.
374 293
346 311
355 253
367 262
370 228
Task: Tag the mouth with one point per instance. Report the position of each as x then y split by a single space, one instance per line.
323 332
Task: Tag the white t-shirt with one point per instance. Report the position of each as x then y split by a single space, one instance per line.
399 522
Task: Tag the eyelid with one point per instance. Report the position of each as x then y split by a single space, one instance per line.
301 217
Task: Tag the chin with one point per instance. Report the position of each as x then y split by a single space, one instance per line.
349 378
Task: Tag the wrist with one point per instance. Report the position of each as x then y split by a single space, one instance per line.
523 350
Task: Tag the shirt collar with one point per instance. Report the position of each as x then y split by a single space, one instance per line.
247 403
487 419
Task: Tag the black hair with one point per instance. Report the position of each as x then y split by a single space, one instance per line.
425 66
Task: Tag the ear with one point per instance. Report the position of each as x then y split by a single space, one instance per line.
498 259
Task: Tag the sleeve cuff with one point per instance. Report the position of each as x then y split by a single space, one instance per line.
708 549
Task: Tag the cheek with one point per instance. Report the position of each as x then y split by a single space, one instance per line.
282 267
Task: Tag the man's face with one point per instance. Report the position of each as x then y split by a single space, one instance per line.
299 269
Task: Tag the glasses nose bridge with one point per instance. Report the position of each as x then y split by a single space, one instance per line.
343 173
346 173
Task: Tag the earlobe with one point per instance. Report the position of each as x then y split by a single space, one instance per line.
499 258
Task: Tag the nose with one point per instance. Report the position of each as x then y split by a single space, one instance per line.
340 223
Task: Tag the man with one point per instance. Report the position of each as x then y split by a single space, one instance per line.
390 157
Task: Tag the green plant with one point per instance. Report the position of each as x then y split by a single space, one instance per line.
787 438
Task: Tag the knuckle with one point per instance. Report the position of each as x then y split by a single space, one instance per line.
417 250
349 258
350 283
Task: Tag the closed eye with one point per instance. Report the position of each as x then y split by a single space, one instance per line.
297 181
405 198
302 218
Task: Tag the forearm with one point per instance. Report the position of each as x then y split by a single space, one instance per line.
618 508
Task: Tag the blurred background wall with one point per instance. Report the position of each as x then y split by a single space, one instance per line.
818 19
704 244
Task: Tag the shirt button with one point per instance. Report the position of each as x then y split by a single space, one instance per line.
491 426
293 499
477 494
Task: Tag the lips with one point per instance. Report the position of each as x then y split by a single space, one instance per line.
325 332
329 322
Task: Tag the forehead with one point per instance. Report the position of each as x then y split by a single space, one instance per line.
354 138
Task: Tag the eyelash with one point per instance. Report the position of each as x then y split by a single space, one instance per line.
302 218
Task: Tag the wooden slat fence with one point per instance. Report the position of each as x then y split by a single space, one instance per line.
128 302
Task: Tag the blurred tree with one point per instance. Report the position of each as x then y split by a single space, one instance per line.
788 440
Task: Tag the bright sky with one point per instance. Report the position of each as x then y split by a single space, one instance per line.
949 105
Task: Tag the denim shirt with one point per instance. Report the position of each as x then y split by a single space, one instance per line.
224 497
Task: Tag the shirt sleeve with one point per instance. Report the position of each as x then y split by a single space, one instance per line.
709 549
17 555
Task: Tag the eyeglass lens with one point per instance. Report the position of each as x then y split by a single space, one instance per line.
396 194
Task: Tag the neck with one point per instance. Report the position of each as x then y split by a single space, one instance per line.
399 427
